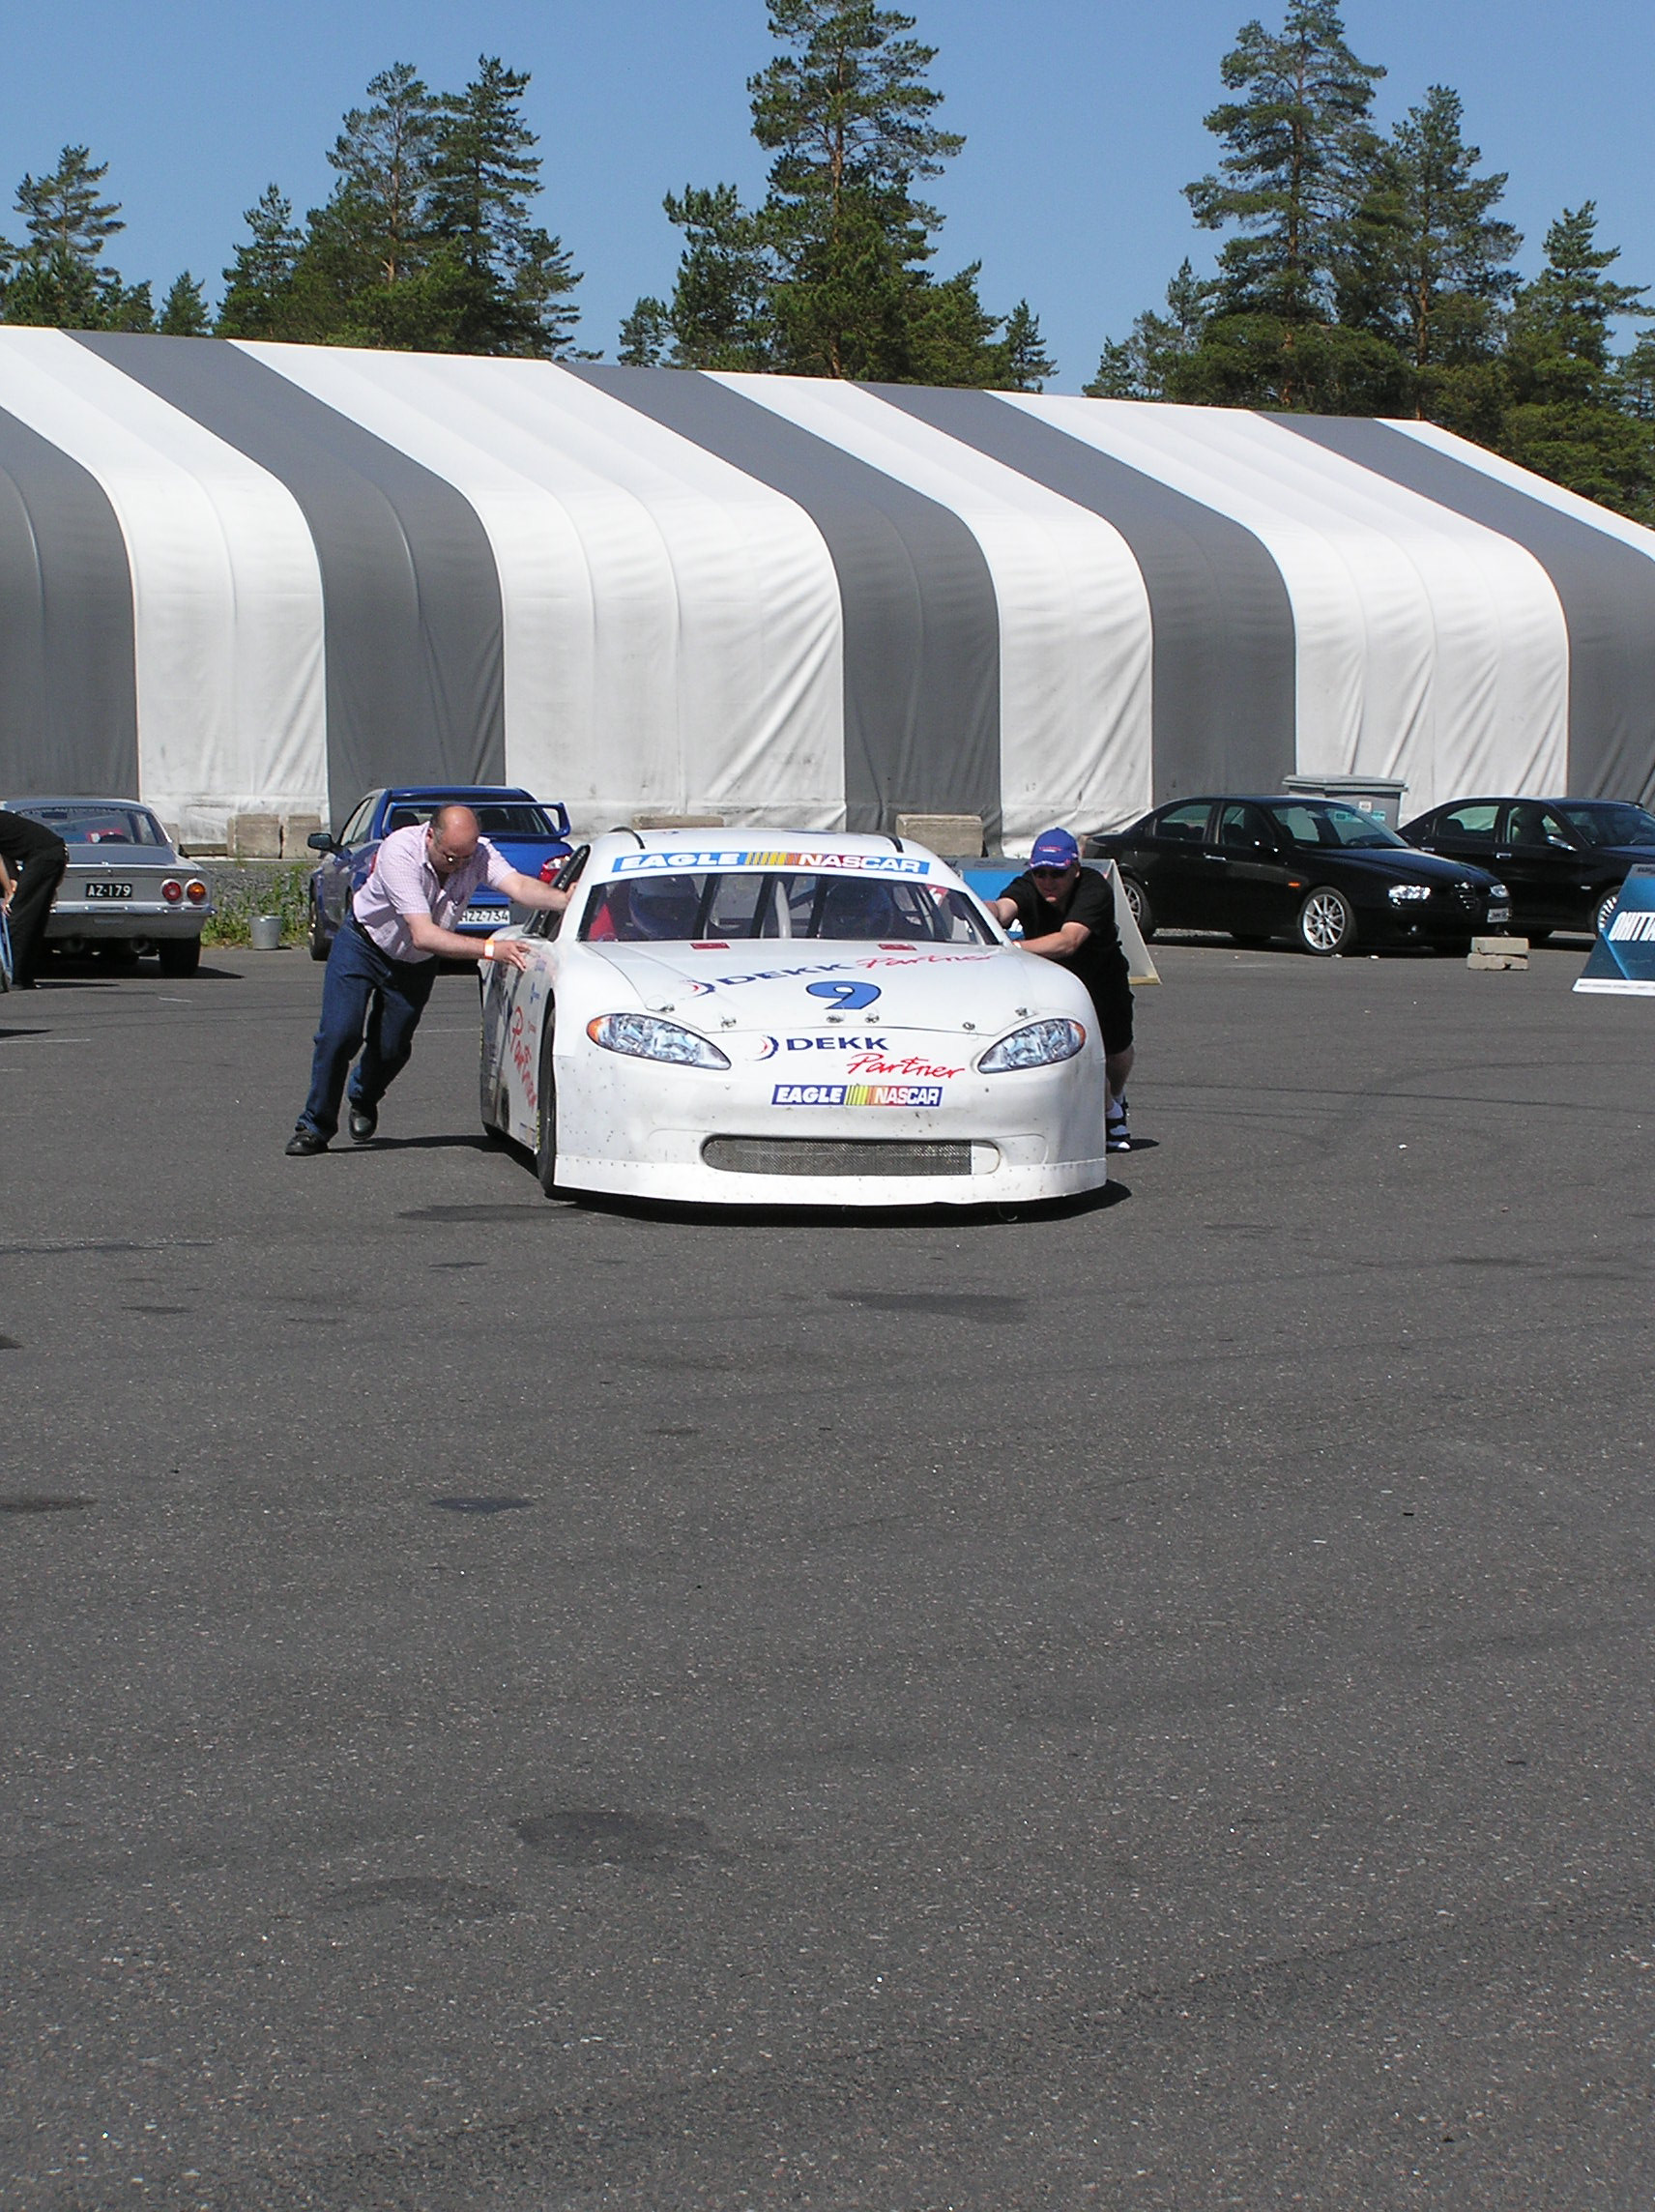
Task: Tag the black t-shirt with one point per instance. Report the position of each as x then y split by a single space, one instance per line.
1101 963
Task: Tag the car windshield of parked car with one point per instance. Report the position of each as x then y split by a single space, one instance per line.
81 824
1609 823
718 908
495 818
1318 823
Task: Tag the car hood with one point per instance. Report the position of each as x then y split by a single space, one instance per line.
1387 865
783 989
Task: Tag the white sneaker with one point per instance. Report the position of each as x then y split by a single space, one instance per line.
1118 1135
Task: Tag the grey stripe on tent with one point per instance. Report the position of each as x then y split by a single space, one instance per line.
1606 590
68 694
921 620
1224 692
410 594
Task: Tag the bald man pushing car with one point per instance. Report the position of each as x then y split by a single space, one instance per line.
384 957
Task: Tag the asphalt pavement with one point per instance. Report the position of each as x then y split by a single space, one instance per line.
514 1705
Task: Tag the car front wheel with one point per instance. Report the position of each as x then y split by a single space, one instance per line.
1142 913
318 934
1605 907
546 1114
1326 923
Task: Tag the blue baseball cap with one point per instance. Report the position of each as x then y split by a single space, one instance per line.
1054 849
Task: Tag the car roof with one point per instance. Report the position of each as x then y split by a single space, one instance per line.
458 791
77 799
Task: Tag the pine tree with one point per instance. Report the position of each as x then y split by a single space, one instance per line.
721 314
1147 365
63 212
1023 364
259 280
184 310
384 156
1569 419
1300 161
646 333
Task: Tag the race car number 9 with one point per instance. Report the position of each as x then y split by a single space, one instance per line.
850 995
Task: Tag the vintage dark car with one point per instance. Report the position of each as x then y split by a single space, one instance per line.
1321 872
1564 859
125 891
527 832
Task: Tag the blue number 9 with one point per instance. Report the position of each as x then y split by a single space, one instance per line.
847 994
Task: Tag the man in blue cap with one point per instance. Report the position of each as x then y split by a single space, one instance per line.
1068 914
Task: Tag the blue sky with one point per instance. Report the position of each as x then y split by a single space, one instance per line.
1082 117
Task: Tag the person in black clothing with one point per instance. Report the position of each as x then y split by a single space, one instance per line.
1068 914
35 858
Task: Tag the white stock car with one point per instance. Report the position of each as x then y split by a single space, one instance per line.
790 1018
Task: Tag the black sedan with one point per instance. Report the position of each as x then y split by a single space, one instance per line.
1315 869
1565 859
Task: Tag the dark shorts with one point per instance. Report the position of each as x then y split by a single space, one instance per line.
1114 1006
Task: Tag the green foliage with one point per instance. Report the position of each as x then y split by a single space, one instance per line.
828 276
58 277
259 283
184 310
246 888
1374 277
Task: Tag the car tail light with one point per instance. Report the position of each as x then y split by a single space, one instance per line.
196 892
171 891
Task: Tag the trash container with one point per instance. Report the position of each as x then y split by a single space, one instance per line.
1376 795
266 932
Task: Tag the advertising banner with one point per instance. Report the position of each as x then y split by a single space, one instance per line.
1623 959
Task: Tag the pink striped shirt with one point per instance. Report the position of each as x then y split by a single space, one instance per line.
404 881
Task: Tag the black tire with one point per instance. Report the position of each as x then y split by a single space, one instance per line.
546 1114
319 939
1249 938
1326 923
1142 913
179 955
1607 903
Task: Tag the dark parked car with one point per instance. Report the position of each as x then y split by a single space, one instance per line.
1565 859
527 831
1314 869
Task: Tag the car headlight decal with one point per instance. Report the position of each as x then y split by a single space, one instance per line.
1041 1044
645 1036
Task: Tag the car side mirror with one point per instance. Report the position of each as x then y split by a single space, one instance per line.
323 841
570 873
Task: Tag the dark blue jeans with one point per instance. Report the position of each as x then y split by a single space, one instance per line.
363 990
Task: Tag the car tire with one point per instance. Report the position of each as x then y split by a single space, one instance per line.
1250 938
1326 923
179 955
546 1114
1142 913
319 939
1607 903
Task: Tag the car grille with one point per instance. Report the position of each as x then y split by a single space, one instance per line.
1468 897
836 1156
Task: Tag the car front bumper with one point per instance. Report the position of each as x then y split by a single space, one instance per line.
632 1127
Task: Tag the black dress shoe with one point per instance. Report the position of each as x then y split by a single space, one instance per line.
364 1120
304 1142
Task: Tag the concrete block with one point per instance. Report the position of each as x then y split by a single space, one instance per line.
295 828
678 822
956 836
1495 952
255 837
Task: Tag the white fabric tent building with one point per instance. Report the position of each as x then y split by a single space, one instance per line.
238 578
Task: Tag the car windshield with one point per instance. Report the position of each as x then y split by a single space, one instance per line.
718 908
495 818
1318 821
84 824
1609 823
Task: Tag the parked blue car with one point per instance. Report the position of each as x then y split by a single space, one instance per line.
528 832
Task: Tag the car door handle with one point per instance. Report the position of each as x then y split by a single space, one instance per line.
1505 856
1218 856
